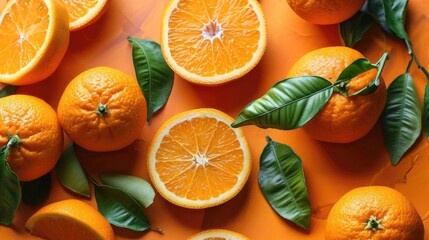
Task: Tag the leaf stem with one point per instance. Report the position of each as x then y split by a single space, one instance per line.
413 56
157 229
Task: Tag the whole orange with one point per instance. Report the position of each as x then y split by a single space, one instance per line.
343 119
102 109
326 11
32 125
374 212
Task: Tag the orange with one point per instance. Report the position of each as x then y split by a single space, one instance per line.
374 212
196 160
217 234
102 109
34 36
326 11
85 13
33 125
69 220
213 42
343 119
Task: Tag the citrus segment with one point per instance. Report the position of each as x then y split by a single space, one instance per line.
213 42
217 234
69 220
34 37
39 138
343 119
374 212
83 13
102 109
196 160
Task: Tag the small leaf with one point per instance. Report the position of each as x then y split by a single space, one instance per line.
281 179
426 110
401 117
136 187
10 190
356 68
37 191
353 29
8 90
120 209
153 74
70 173
289 104
373 85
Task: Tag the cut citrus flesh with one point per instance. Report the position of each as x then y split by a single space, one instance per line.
212 42
196 160
34 37
84 12
69 220
217 234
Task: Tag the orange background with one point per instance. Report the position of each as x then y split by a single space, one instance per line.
330 169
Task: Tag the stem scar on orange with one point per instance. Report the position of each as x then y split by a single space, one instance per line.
29 126
196 160
212 42
34 36
102 109
342 119
374 212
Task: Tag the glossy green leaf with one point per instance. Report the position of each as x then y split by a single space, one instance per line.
120 209
426 111
391 14
70 173
373 85
289 104
356 68
401 117
10 190
353 29
35 192
153 74
8 90
282 181
134 186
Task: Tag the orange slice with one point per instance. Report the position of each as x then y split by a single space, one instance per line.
213 42
34 36
69 220
217 234
84 13
196 160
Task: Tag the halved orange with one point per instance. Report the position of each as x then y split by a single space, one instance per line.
196 160
34 36
84 13
217 234
69 219
212 42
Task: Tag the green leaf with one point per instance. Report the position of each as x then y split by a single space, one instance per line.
136 187
281 179
8 90
10 190
289 104
426 110
356 68
401 117
353 29
120 209
373 85
70 173
37 191
153 74
390 13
